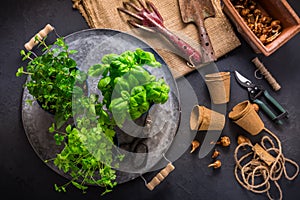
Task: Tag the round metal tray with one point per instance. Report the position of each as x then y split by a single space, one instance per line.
91 45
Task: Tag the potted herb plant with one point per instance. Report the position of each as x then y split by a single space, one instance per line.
128 91
53 80
52 76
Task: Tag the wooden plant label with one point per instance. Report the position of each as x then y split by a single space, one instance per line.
263 154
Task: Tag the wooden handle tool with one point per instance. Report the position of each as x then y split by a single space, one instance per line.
41 34
268 76
196 11
160 176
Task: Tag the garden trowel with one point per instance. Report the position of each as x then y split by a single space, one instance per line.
197 11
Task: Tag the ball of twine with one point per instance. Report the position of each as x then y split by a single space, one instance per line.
249 167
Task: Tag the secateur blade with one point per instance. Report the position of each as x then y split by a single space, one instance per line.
256 92
243 81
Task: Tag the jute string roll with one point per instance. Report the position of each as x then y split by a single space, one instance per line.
268 76
257 168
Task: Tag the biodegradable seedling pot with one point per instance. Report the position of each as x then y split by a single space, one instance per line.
218 85
203 119
245 115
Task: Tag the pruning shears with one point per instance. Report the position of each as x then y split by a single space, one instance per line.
255 92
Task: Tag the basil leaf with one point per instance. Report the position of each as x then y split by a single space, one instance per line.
104 82
125 95
97 70
148 58
120 85
118 105
131 80
141 75
107 59
135 114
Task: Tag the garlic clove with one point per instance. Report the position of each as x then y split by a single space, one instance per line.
215 154
224 141
195 145
242 139
216 164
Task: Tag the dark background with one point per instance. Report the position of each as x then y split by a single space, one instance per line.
24 176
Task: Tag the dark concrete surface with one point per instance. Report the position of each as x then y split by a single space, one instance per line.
24 176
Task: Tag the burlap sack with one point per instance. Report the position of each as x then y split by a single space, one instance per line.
218 85
244 115
104 14
203 119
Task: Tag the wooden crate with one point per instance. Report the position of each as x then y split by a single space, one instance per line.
277 9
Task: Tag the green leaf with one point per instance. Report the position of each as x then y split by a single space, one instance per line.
137 90
135 114
77 91
59 119
107 59
148 58
110 133
104 117
132 81
55 50
106 191
80 76
22 52
153 94
69 129
121 157
63 189
57 188
133 102
104 82
119 105
58 138
163 98
97 70
52 128
29 101
141 75
73 51
120 85
20 72
144 107
125 95
79 186
60 42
